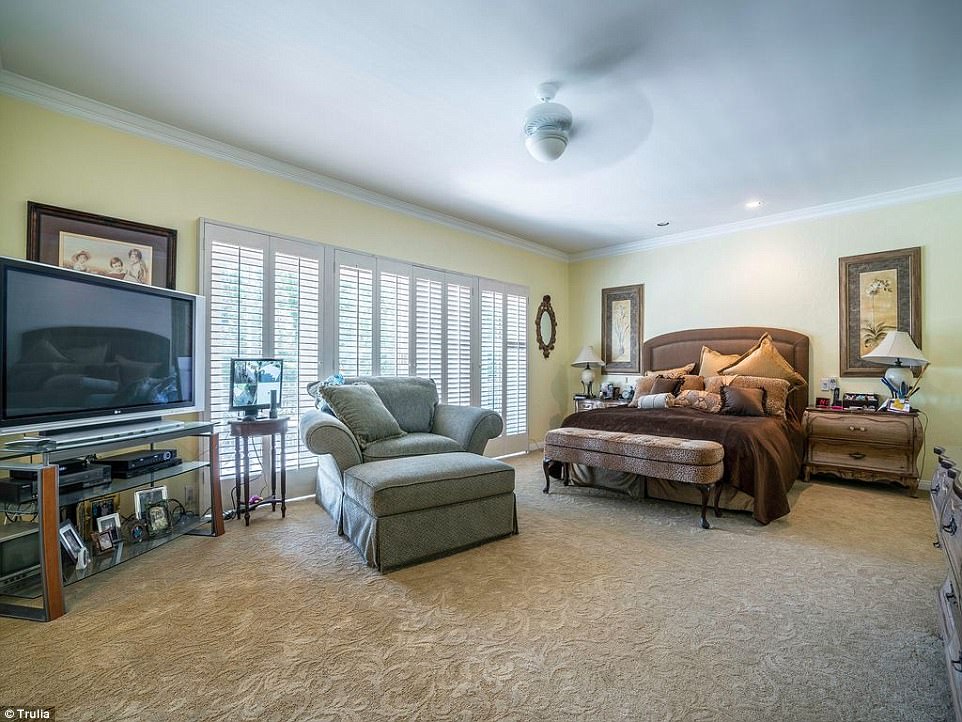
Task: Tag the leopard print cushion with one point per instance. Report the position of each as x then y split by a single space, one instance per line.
699 400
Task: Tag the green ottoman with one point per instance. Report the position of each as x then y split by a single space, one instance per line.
407 510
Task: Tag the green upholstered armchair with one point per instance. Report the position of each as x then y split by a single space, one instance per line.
431 428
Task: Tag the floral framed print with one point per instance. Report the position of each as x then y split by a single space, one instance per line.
622 311
878 293
99 244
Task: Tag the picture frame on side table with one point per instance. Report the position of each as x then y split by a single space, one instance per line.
878 293
622 314
106 246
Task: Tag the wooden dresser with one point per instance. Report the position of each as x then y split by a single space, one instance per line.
863 445
947 510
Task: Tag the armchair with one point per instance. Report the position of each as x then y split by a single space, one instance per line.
431 428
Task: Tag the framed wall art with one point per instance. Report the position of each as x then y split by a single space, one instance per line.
622 311
878 293
99 244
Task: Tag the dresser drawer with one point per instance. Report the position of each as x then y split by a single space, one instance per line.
828 452
861 427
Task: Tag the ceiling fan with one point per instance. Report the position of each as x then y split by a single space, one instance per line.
546 126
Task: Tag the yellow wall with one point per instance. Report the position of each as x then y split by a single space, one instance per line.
63 161
787 276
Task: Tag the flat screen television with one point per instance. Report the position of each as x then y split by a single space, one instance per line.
251 382
82 349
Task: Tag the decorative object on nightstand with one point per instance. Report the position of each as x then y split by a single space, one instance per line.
863 445
898 349
590 360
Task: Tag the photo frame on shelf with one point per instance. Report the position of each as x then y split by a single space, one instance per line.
101 542
106 246
878 293
89 511
146 497
622 313
70 540
158 519
110 523
135 531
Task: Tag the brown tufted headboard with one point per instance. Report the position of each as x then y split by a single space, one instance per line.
682 347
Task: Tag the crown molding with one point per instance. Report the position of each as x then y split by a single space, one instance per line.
854 205
71 104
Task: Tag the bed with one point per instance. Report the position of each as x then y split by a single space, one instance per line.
763 455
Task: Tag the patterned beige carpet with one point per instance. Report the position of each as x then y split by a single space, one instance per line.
601 609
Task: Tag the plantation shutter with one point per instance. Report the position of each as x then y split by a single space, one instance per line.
429 326
297 327
235 307
504 363
459 312
354 310
394 311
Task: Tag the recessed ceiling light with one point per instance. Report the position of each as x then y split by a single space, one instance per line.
751 205
662 224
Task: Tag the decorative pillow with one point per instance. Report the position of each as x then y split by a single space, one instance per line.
643 387
742 402
89 355
654 401
698 400
712 362
665 386
764 360
672 373
776 390
314 390
362 411
43 352
691 382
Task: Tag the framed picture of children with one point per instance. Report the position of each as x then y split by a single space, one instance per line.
114 247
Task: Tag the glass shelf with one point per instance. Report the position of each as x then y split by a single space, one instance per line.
113 487
30 587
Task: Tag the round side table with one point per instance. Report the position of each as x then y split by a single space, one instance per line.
248 429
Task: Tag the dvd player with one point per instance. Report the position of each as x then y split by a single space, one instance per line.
140 470
134 460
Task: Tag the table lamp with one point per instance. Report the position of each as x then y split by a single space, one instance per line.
898 349
589 359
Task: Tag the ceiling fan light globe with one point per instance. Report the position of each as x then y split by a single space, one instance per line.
546 145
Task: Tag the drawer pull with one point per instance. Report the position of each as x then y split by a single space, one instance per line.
856 428
950 595
951 527
937 544
857 455
957 664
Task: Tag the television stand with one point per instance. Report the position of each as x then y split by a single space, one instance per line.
54 574
107 432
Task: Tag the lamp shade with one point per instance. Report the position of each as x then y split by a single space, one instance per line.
589 357
896 348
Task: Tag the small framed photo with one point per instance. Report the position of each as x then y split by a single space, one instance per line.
145 497
158 519
102 543
135 531
110 523
70 540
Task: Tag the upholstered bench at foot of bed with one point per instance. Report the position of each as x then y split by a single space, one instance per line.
402 511
690 461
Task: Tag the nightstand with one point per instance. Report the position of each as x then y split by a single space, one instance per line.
863 445
586 404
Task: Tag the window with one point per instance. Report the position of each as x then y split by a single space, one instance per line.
323 309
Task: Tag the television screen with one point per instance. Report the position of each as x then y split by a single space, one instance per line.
252 381
78 346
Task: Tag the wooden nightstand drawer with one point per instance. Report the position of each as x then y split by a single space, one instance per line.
861 427
827 452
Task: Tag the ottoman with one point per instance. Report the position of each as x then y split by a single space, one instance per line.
411 509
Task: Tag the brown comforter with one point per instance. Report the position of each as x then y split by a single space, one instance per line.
763 455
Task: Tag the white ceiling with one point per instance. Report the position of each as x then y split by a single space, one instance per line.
683 110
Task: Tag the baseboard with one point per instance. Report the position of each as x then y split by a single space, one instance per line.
536 446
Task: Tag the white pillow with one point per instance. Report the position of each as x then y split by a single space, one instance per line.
654 401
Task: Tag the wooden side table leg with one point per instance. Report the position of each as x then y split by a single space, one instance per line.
273 472
237 476
247 484
283 477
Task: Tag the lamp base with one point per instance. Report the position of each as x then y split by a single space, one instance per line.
587 380
901 379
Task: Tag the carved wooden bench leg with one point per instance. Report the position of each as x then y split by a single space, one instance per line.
718 487
547 476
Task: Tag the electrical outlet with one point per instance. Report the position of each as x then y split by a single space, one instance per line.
829 384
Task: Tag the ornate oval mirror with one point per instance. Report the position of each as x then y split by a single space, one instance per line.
546 326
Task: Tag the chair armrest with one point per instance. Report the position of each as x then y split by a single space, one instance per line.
470 426
325 434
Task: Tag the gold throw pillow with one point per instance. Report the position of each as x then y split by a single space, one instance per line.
765 360
712 362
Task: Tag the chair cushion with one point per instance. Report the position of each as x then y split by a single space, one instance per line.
410 400
396 486
414 444
362 411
